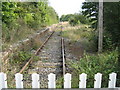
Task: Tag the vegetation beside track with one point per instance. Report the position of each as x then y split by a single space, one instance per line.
91 62
21 19
105 62
82 34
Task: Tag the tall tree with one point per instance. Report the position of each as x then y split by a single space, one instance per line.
90 9
111 20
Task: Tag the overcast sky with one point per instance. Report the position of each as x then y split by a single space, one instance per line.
66 6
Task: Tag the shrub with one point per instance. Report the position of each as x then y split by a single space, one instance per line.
105 63
20 57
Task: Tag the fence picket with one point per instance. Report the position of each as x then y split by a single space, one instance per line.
67 80
19 80
112 80
35 80
82 82
98 80
51 80
3 82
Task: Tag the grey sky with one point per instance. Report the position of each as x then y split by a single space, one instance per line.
66 6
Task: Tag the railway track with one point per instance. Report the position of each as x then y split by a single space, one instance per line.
52 53
36 53
63 54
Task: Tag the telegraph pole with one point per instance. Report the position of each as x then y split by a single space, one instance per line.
100 26
0 37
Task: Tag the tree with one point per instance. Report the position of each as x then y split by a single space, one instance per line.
111 21
90 10
66 17
32 15
75 19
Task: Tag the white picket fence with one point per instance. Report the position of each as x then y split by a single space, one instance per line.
52 80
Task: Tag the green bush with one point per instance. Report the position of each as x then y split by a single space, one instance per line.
107 42
20 19
86 36
111 21
78 19
105 63
20 57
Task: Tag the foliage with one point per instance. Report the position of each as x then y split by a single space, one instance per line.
84 35
66 17
20 57
59 82
90 9
112 24
52 17
111 21
74 19
20 18
77 19
105 63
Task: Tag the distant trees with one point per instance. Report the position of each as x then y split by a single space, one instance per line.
77 19
17 17
66 17
90 10
74 19
52 16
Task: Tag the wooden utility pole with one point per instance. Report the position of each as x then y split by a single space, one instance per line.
100 26
1 38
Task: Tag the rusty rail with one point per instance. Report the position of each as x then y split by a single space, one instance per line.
36 53
63 55
12 50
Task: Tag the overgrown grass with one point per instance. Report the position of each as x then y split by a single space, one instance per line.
17 25
85 35
16 32
20 57
60 82
91 64
104 63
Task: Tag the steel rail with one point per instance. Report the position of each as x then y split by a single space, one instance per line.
36 53
63 55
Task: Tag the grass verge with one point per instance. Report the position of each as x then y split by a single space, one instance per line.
83 34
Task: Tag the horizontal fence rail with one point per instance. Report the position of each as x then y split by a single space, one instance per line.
52 80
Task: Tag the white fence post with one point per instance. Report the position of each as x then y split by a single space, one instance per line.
51 80
3 82
67 80
112 80
35 80
82 82
19 80
98 80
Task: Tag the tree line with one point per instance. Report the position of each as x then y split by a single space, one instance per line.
20 18
111 21
75 19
